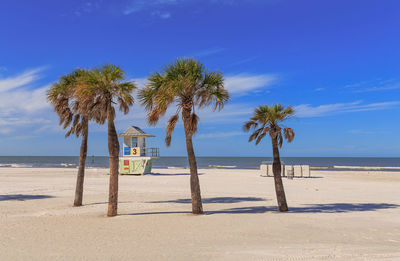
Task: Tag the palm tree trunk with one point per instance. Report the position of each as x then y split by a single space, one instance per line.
197 205
113 149
82 162
276 168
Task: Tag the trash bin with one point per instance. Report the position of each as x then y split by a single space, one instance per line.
290 173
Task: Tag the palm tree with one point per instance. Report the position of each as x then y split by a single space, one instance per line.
187 84
107 87
268 118
74 115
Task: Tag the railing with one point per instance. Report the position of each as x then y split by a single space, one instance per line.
150 152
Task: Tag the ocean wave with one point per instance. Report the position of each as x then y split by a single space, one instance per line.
68 165
222 166
15 165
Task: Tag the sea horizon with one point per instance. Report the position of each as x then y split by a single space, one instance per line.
237 162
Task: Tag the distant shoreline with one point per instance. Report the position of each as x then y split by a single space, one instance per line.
316 163
312 168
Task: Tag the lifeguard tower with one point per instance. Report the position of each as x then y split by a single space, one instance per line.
135 157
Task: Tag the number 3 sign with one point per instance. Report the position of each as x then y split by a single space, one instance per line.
135 151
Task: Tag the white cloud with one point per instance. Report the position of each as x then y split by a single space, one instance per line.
5 130
366 132
162 15
139 82
87 7
208 52
151 6
394 86
219 134
140 5
20 104
374 86
232 112
243 83
306 110
19 80
23 101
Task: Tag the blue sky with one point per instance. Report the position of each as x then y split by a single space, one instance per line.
337 62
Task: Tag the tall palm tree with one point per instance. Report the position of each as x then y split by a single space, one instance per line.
74 115
266 120
108 87
187 84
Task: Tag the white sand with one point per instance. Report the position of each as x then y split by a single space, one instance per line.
335 216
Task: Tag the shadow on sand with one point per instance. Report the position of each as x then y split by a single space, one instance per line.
310 208
174 174
22 197
222 200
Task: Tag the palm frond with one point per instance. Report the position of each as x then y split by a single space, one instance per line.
170 128
255 134
289 134
250 124
193 120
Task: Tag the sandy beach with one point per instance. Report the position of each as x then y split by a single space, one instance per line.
335 215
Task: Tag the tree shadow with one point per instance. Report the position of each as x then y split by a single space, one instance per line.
285 177
173 174
106 202
310 208
221 200
342 207
156 213
22 197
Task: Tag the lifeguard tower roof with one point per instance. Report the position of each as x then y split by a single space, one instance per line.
135 131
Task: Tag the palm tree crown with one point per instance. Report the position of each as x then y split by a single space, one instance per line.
186 83
107 87
71 110
268 118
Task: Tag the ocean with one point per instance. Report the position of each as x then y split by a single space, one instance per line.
202 162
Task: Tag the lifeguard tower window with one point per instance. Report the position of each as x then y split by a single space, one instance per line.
134 142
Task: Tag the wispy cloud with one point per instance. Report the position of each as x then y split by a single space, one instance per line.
393 86
20 103
232 112
365 132
219 134
208 52
87 7
307 110
245 60
244 83
163 6
161 14
374 86
143 5
20 80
